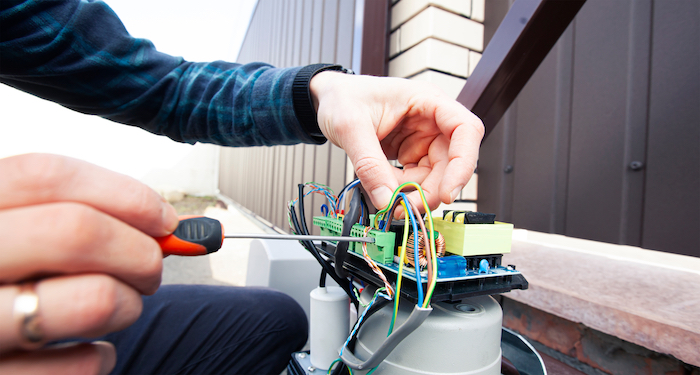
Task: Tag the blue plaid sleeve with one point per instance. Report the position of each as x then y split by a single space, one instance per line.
78 54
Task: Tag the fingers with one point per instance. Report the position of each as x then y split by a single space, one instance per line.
371 165
73 306
465 132
69 238
41 178
409 119
96 358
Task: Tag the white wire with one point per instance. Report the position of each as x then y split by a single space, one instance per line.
350 186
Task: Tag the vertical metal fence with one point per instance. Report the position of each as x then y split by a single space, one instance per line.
290 33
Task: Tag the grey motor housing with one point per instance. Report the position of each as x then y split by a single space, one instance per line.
456 338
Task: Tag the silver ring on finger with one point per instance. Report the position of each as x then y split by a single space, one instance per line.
26 312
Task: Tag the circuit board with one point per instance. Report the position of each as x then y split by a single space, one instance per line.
478 247
501 280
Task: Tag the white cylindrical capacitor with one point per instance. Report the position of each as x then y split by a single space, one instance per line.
329 324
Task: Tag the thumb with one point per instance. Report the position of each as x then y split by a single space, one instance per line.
371 165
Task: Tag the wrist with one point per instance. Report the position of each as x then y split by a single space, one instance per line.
318 85
306 98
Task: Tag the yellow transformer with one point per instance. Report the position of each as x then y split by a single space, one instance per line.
473 239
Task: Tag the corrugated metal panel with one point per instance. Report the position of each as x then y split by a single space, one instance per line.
672 192
621 89
290 33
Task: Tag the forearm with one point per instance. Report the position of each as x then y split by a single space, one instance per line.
81 56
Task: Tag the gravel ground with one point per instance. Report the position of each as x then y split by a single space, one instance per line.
191 270
191 205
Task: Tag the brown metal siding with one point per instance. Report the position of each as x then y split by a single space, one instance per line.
621 85
672 192
290 33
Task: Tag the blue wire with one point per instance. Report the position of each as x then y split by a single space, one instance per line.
359 320
325 192
419 281
350 186
362 213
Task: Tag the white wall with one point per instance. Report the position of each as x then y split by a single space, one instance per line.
211 30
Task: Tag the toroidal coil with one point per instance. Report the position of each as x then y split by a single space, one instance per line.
422 260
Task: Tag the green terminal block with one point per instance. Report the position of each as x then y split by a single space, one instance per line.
475 239
382 250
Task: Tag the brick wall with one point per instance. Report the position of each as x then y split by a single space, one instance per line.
585 349
438 41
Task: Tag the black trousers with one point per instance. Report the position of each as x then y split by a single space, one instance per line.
197 329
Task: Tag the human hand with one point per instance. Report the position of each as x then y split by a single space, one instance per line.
84 234
376 119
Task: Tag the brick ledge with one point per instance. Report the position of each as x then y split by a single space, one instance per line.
642 296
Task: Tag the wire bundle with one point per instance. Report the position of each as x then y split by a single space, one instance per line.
317 189
374 266
422 247
382 220
298 224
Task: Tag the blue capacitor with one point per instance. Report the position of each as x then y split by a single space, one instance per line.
484 266
452 266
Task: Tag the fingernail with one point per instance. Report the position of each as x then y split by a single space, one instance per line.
108 355
455 193
170 219
381 196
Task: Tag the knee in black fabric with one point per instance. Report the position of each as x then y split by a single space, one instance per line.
284 311
212 329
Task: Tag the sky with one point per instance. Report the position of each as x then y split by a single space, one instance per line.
202 30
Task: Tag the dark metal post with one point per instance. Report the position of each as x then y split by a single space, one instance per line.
375 38
522 41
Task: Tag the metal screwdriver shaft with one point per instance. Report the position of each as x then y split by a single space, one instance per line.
297 237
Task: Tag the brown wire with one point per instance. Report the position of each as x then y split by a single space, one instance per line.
424 253
391 212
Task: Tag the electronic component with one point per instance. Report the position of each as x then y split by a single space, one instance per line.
500 279
463 238
452 266
423 261
329 324
382 250
478 246
468 217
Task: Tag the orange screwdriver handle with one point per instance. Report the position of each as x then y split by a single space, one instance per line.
195 235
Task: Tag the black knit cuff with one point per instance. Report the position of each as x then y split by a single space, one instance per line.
304 105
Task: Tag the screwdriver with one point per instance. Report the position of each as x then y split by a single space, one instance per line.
199 235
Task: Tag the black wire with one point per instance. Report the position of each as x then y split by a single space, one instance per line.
305 230
349 220
324 264
365 219
344 189
340 369
302 212
322 279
